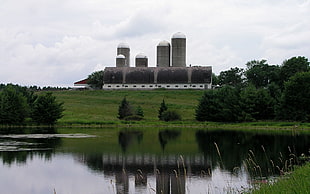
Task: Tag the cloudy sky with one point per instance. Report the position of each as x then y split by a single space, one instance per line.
58 42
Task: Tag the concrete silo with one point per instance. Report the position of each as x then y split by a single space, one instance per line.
178 42
123 49
163 54
120 60
141 60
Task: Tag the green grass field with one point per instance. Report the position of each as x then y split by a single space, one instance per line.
297 182
99 106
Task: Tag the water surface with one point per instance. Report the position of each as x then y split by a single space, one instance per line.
142 160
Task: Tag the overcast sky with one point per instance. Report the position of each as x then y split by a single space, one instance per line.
58 42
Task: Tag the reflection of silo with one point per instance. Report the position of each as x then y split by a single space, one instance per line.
141 60
120 60
178 42
123 48
163 54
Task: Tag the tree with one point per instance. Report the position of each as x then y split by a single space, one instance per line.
221 105
292 66
46 110
95 80
295 101
162 109
232 77
13 106
139 111
124 109
257 104
260 74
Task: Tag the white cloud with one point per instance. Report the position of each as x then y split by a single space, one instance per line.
57 42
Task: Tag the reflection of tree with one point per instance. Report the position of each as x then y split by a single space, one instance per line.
235 147
125 138
167 135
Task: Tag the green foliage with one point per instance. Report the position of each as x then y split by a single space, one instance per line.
163 108
46 110
95 80
139 111
221 105
133 118
171 115
13 106
296 182
292 66
124 109
260 74
232 77
257 104
295 102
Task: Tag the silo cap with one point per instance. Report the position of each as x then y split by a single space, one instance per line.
141 56
123 45
164 43
120 56
178 35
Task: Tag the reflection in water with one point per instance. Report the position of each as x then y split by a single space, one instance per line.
266 150
147 161
125 138
167 135
17 148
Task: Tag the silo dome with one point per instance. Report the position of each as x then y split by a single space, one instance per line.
163 54
120 56
120 60
178 42
123 45
123 49
179 35
141 60
164 43
141 55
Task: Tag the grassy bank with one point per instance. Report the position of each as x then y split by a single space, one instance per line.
100 108
296 182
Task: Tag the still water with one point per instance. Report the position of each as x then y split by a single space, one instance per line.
151 160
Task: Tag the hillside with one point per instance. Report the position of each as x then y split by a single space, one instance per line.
99 106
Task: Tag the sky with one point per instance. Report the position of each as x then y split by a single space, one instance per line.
59 42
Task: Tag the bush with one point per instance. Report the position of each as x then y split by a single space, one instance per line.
46 110
13 106
170 115
133 118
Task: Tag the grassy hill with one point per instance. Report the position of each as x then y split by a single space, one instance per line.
99 106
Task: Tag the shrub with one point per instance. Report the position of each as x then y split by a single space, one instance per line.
133 118
170 115
46 110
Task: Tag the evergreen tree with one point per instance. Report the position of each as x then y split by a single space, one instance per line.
124 109
139 111
46 110
13 106
162 109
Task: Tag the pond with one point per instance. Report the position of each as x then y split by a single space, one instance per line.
150 160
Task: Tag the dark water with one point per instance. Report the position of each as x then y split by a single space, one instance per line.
143 160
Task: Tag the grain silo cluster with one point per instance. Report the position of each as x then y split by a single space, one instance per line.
170 71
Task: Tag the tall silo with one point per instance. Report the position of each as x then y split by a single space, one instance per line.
163 54
141 60
120 60
123 48
178 42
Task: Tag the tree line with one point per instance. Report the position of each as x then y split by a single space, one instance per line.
259 92
20 104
